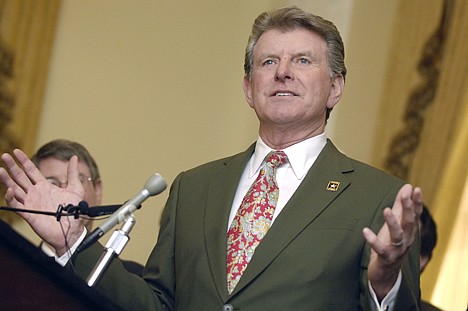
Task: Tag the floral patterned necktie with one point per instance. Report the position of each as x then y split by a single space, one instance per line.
253 219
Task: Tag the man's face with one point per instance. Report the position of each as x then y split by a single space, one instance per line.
291 86
53 168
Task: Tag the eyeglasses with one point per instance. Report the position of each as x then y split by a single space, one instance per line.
54 181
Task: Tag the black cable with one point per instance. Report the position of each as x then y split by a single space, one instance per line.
65 234
21 210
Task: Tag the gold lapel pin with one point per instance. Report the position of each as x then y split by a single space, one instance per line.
333 185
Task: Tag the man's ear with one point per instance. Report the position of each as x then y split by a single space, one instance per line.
98 188
247 86
336 91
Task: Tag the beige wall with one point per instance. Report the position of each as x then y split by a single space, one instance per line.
155 86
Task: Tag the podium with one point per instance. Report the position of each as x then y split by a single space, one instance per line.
30 280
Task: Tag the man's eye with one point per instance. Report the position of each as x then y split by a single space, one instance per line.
268 62
303 60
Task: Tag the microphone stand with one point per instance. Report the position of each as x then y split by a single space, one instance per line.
113 248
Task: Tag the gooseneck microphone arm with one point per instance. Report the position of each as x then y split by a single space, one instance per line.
153 186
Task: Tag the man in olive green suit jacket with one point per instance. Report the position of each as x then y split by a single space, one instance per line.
333 243
314 257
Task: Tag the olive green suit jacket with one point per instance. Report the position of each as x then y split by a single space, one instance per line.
314 256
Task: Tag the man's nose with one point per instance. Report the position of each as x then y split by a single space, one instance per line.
284 71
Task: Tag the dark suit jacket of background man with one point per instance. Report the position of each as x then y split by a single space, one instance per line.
314 257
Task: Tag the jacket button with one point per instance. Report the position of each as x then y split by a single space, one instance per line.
228 308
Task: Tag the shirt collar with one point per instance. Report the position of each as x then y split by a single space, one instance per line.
301 155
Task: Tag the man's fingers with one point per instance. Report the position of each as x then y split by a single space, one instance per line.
17 175
409 214
11 200
29 168
373 240
13 190
412 208
73 172
5 178
396 231
417 198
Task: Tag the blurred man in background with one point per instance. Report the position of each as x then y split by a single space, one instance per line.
52 160
428 235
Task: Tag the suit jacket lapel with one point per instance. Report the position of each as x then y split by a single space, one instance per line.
309 200
221 190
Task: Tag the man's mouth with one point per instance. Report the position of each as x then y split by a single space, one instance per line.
284 94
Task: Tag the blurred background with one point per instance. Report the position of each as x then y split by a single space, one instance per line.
156 86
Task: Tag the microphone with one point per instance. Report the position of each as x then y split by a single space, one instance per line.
91 211
97 211
153 186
